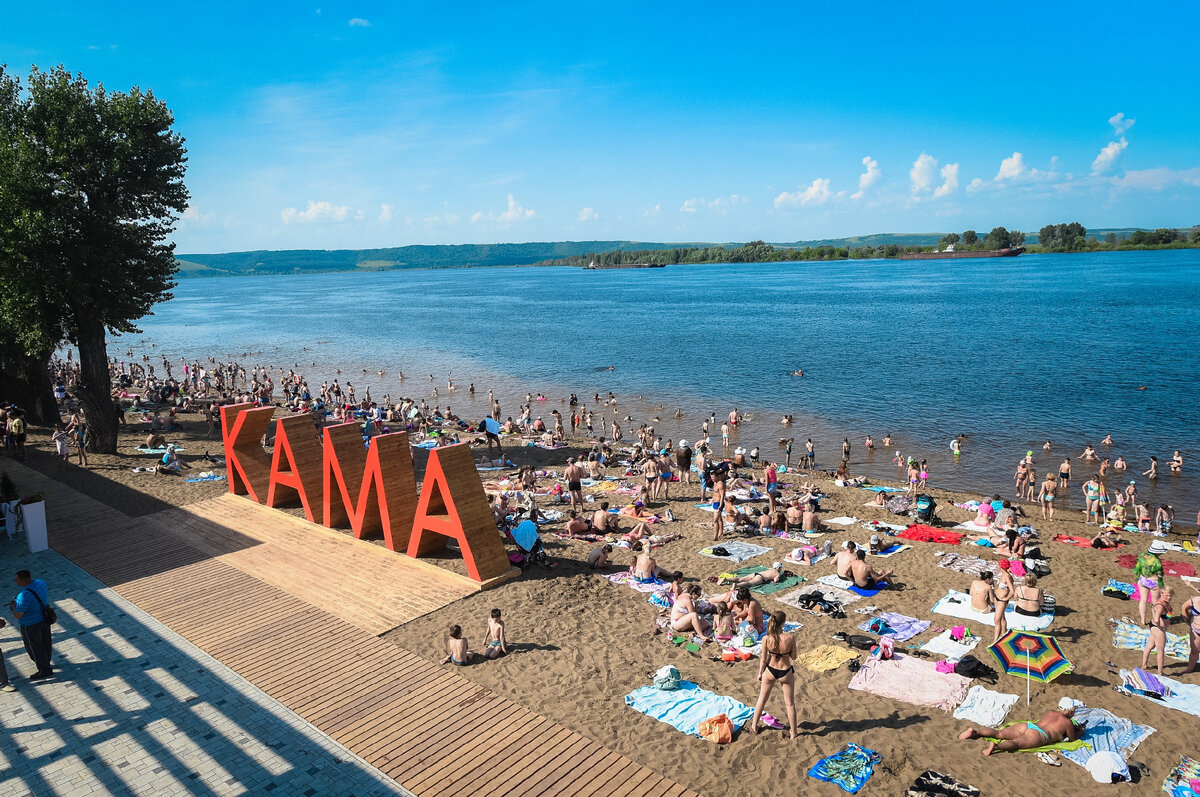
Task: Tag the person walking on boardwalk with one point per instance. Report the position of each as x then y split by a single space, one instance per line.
30 610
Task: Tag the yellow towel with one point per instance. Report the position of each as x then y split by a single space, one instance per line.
1188 546
826 657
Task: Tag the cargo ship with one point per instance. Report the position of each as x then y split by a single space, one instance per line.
594 266
949 253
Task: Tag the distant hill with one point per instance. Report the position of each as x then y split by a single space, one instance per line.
315 261
878 239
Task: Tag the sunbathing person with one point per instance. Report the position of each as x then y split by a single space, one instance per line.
579 527
602 521
645 569
642 532
1107 538
747 609
1054 726
1029 597
1013 544
460 653
983 596
684 616
809 523
155 441
772 576
845 558
865 576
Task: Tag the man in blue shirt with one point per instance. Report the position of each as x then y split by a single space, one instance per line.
29 608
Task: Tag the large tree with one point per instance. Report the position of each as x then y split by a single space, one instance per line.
90 185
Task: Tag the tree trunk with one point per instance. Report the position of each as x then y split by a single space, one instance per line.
27 384
94 391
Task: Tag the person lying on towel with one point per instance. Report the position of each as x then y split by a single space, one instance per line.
865 576
1054 726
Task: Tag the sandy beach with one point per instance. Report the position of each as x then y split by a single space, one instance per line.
581 643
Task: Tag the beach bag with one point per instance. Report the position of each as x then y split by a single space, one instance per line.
860 642
48 614
1049 603
718 729
971 667
667 678
669 516
718 550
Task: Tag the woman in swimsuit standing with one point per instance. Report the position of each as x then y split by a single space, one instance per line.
778 653
1046 497
1148 570
1002 592
1191 611
1158 629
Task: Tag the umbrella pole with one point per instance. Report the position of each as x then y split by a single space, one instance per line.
1027 678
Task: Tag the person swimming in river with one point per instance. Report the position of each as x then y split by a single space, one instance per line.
798 372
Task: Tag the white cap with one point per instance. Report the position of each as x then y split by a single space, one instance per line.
778 565
683 443
875 539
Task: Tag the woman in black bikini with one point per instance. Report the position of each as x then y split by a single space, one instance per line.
1029 597
778 652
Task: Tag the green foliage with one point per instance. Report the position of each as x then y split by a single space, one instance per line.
946 240
1160 237
970 238
998 238
1111 238
1195 236
1063 237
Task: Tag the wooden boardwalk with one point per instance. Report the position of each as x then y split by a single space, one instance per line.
427 727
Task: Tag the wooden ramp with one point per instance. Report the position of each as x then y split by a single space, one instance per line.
425 726
380 588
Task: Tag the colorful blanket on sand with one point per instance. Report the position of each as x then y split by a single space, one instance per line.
1078 542
628 580
842 596
738 551
1128 635
1120 586
958 604
923 533
1184 779
911 680
825 657
686 707
1105 731
898 626
973 565
1128 560
849 769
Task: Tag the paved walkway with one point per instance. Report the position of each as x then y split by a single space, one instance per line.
137 709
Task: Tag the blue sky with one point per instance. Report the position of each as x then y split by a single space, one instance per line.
362 125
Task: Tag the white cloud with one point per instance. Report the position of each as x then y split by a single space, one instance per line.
1158 179
316 211
1120 124
690 206
817 193
1108 156
588 214
359 22
721 205
193 217
385 212
922 174
974 185
652 212
514 213
949 180
867 178
1011 167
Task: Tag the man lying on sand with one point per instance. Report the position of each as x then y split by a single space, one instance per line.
1054 726
772 576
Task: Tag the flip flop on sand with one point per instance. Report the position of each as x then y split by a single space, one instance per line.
771 722
1048 758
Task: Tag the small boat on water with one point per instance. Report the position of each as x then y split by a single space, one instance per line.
594 266
949 253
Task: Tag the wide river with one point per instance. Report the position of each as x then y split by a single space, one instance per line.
1012 351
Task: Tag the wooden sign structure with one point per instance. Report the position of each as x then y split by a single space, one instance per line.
339 482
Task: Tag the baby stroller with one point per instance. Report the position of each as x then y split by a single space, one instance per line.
530 550
924 507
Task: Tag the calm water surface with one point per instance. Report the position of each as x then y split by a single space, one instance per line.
1011 351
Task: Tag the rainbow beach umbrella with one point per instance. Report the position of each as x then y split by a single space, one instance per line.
1035 657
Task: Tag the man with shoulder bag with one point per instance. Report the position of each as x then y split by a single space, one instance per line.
34 616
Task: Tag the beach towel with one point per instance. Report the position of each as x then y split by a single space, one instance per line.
426 444
1184 779
901 627
891 550
970 525
958 604
771 588
834 580
1184 697
973 565
1106 732
932 783
850 768
1179 569
738 551
818 558
628 580
825 657
686 707
881 489
1078 542
923 533
1119 586
843 520
943 645
216 477
876 525
162 450
835 594
1128 635
911 680
985 707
